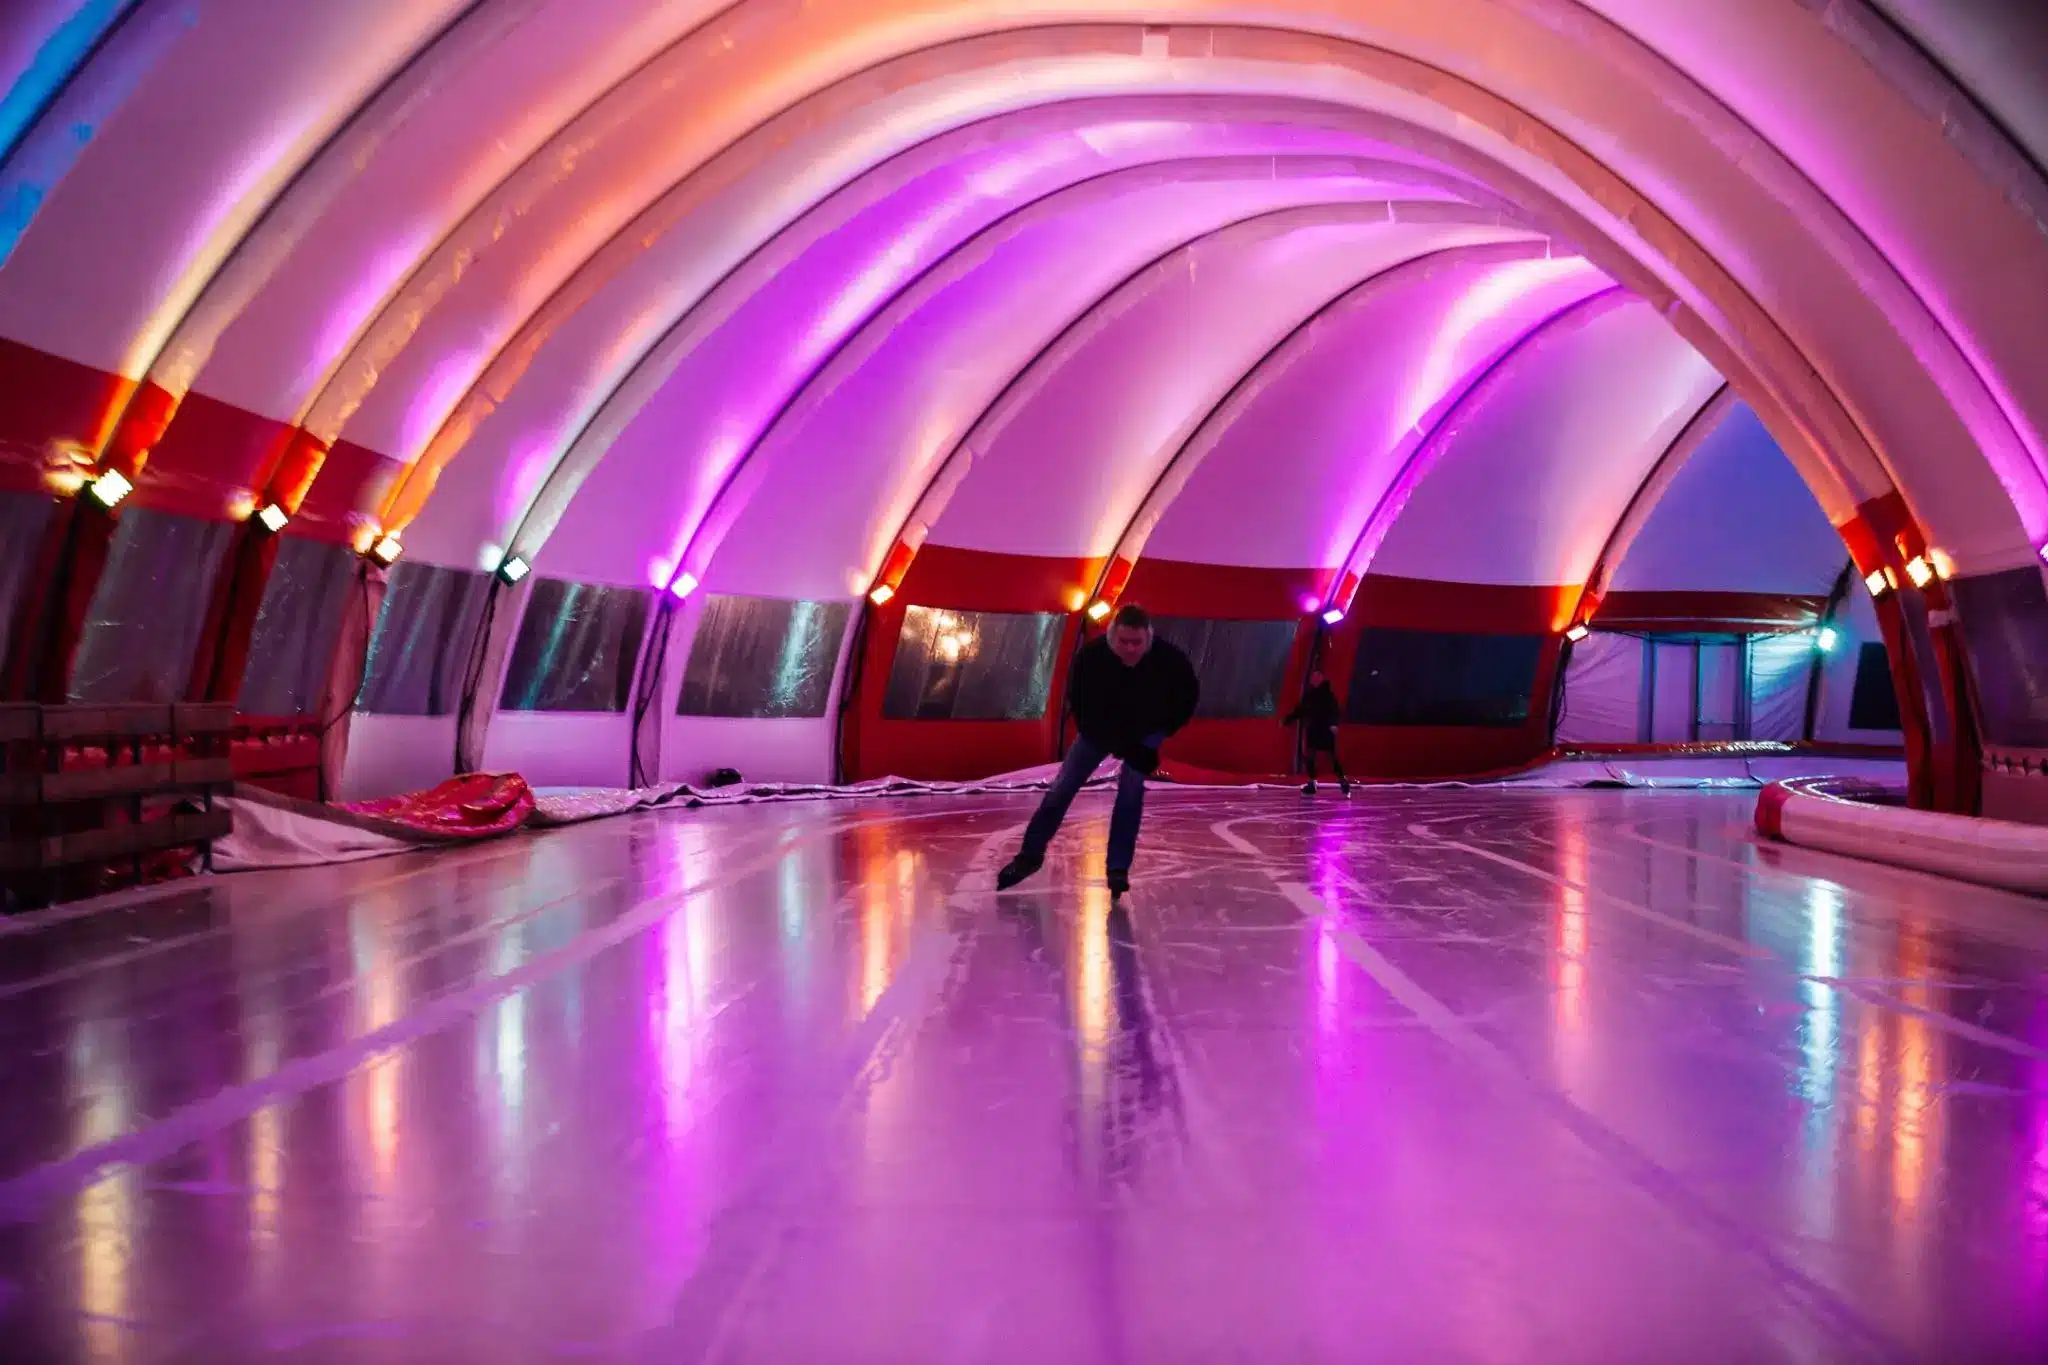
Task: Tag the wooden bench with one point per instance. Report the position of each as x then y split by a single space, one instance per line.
88 794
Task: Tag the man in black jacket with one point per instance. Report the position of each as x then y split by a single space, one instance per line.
1317 717
1129 692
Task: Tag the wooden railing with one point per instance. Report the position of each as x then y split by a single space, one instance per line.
91 795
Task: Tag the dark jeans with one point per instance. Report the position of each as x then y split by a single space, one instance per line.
1314 751
1083 758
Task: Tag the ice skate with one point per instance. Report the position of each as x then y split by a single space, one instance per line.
1119 884
1016 870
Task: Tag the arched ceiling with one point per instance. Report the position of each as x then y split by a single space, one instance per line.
748 289
1734 518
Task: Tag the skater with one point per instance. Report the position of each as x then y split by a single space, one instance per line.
1317 717
1129 693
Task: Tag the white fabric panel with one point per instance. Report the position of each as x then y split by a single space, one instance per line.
1319 435
391 755
1065 463
1780 667
844 467
1736 518
560 748
1531 477
1720 701
168 185
1672 707
1603 691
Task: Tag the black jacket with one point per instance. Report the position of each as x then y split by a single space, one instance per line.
1317 714
1116 706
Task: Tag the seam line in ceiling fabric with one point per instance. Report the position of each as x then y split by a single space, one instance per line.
531 531
989 238
1643 503
1485 90
63 56
1865 261
1989 143
1405 272
948 472
309 406
1477 387
1734 290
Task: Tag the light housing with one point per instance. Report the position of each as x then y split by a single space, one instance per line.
684 585
882 595
1333 616
1098 610
1944 567
1878 581
385 549
1826 638
1577 633
273 518
109 488
512 568
1919 571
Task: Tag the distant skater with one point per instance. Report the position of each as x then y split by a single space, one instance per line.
1129 693
1317 717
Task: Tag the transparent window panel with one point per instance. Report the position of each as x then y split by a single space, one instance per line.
968 665
148 609
1874 705
1423 677
423 640
292 649
1242 664
762 658
2005 630
24 520
577 647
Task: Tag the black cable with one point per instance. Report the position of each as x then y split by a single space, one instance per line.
648 687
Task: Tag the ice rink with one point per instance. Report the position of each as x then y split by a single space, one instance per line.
1472 1076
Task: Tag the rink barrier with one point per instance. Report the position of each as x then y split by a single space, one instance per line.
1863 819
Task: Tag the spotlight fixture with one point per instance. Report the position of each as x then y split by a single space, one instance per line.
2044 552
1920 571
385 549
1333 616
684 585
1577 633
1097 610
882 594
109 488
1879 581
273 518
512 568
1826 639
1944 567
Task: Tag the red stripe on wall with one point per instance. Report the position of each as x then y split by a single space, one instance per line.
48 403
212 456
351 480
953 579
968 580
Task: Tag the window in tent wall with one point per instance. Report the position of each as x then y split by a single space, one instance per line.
2005 630
148 608
577 647
1874 704
1242 664
1435 678
292 648
422 643
24 519
762 658
972 665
